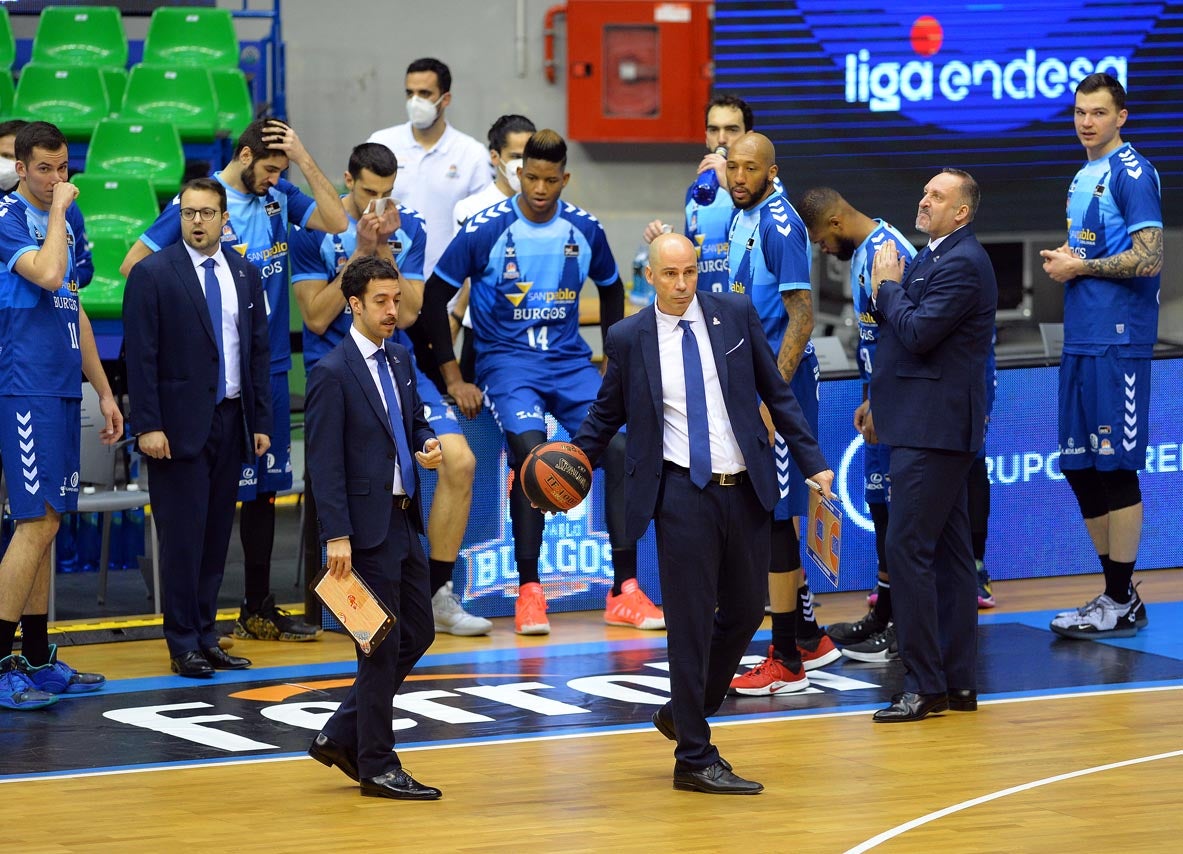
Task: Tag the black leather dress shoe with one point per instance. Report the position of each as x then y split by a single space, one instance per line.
911 707
715 780
222 660
666 727
193 665
963 700
328 752
398 785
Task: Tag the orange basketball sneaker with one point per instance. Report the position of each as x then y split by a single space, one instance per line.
633 608
529 612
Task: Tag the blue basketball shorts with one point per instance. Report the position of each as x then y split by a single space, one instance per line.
39 442
1104 411
272 472
519 395
794 495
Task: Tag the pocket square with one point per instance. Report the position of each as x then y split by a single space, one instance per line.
736 347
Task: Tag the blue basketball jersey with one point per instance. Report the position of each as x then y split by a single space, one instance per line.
1108 201
257 231
525 278
39 338
317 255
707 227
860 289
769 253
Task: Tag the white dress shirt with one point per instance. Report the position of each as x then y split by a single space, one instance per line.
431 181
230 342
726 458
368 348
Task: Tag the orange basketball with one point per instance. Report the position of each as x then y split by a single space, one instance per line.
556 476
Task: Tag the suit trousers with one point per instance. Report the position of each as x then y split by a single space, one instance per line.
193 500
397 572
713 549
930 560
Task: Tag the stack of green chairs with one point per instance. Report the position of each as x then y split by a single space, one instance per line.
193 36
73 98
183 96
131 148
70 36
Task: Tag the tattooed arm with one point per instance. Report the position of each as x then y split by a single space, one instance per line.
799 308
1144 258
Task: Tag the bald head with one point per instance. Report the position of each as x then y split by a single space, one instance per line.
751 170
673 272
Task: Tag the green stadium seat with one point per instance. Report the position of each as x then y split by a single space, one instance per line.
7 40
235 108
183 96
73 98
103 297
81 35
191 36
130 148
118 208
116 80
7 93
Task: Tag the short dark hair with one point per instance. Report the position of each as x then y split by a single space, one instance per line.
252 138
205 183
37 135
504 126
547 145
361 272
442 72
1097 82
971 194
735 102
12 127
816 203
373 156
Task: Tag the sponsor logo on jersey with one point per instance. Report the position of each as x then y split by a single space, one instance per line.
511 251
511 270
228 235
571 250
1106 448
396 246
523 288
272 208
1104 430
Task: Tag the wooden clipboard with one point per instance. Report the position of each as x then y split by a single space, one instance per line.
356 608
823 541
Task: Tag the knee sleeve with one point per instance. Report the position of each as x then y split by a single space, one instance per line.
1121 488
1089 490
786 547
520 445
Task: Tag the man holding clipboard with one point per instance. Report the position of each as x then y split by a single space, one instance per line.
363 416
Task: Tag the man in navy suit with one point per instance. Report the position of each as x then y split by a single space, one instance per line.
197 361
688 376
363 415
936 322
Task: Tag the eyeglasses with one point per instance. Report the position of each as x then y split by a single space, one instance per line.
205 214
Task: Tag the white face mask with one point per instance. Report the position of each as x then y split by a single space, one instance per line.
510 171
8 177
422 112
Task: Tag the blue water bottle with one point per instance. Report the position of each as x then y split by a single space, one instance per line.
706 187
641 293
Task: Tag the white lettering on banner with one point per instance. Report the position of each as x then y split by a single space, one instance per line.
150 717
884 86
616 688
422 703
517 694
1164 459
310 716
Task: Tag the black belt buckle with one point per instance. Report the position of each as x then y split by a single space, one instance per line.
734 479
402 502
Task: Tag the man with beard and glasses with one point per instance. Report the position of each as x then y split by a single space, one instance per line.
262 205
850 235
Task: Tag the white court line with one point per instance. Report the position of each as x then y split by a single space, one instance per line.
561 736
901 829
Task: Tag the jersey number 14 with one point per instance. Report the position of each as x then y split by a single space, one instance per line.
537 337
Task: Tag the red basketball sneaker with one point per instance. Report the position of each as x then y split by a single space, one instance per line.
529 612
770 676
633 608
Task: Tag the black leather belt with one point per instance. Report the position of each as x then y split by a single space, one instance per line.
402 502
722 479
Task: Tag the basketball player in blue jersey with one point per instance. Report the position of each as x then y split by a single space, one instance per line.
1110 267
768 261
262 206
527 258
398 235
850 235
46 343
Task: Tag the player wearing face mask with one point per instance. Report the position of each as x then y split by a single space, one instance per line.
8 177
437 164
507 140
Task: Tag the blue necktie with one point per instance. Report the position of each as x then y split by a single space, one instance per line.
696 409
405 464
213 301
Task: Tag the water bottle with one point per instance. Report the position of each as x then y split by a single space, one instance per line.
706 186
641 293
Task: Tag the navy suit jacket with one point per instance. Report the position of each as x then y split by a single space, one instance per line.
172 352
928 389
350 450
632 393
